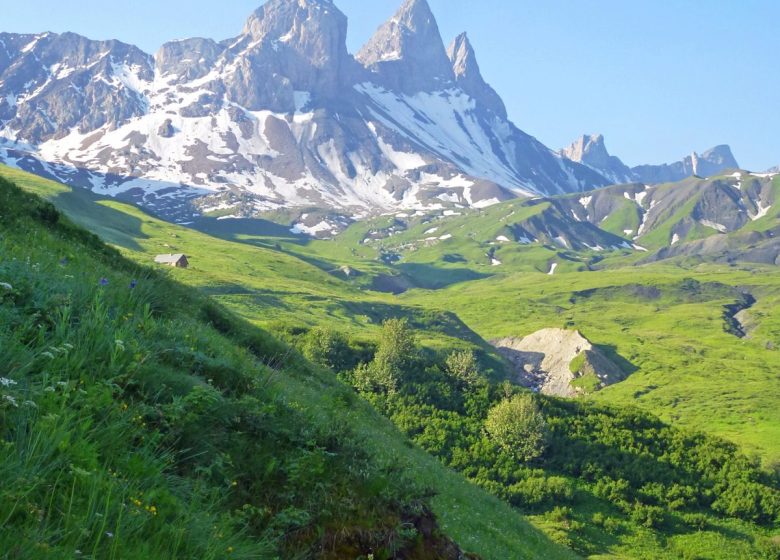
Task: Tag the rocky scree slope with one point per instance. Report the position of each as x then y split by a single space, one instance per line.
559 362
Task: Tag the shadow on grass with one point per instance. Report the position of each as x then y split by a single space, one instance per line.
430 277
113 226
610 351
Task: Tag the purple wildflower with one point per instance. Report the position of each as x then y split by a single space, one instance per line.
64 261
104 281
133 284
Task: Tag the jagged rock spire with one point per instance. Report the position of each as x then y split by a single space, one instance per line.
407 51
588 149
469 77
591 150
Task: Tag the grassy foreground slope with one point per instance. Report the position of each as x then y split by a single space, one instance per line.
141 421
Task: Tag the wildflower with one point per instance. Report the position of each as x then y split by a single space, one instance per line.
109 535
64 261
6 286
120 345
133 284
234 484
47 355
29 404
103 282
50 389
5 382
11 400
67 346
230 549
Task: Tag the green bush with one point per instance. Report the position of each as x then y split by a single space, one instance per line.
517 425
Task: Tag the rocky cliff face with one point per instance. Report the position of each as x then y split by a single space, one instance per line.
51 84
591 151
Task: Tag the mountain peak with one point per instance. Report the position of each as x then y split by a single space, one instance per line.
297 22
407 51
713 161
301 44
462 55
469 77
415 12
589 149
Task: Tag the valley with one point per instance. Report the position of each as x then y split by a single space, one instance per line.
396 325
665 331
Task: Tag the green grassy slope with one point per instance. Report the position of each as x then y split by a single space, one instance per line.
263 284
186 372
688 369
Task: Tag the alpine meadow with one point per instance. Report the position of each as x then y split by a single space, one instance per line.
263 298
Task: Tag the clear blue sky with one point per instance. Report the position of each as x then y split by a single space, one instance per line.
657 78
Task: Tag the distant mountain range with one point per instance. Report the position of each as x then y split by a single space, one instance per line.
727 218
592 152
283 116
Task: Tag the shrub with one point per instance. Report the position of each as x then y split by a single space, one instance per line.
463 367
517 426
327 348
394 355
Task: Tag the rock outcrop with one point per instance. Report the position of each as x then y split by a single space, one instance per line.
559 362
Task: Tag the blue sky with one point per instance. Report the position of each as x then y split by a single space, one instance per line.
658 79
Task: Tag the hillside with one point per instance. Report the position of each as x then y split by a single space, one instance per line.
141 420
445 417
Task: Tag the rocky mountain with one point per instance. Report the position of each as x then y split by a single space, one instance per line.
592 152
731 217
727 217
711 162
280 117
469 77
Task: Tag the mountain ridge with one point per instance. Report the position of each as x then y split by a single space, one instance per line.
281 116
591 150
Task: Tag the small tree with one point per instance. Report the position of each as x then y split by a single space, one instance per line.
395 353
327 348
463 367
518 426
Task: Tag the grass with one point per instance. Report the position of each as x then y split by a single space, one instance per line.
686 368
690 371
124 443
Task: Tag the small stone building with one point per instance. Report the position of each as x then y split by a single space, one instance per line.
176 261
